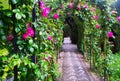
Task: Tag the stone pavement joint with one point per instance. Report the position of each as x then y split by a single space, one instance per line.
71 65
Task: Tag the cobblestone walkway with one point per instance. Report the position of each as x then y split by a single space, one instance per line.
71 65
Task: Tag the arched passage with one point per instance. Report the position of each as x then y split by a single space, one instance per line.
40 34
75 30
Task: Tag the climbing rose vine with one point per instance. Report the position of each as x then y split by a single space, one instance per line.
45 12
96 17
85 6
42 5
29 32
56 16
118 18
79 7
10 37
110 34
113 12
71 5
97 26
49 38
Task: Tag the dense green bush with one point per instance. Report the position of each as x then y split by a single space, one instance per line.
30 33
36 28
96 25
113 62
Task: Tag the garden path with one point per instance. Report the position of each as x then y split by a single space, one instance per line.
71 64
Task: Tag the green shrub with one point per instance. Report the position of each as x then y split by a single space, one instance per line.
113 68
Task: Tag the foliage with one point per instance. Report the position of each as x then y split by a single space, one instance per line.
113 67
22 37
30 28
96 24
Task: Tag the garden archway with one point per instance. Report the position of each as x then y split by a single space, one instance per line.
33 29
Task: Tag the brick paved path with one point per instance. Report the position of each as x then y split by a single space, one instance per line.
71 65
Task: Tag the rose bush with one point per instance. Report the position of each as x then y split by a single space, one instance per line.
95 23
41 38
31 36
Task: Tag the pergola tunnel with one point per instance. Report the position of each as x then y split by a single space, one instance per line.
59 40
74 29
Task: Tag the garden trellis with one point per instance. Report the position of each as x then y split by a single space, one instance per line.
31 35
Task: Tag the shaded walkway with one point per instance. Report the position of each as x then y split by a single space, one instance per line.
71 64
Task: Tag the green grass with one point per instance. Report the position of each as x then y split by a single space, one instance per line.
5 4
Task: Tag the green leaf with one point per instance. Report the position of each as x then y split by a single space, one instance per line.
16 10
15 1
17 29
3 37
30 41
20 47
23 15
4 52
37 72
18 16
24 6
4 59
8 12
31 49
35 46
19 42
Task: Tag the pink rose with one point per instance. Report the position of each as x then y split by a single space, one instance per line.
48 58
93 9
108 19
118 18
42 5
71 5
10 37
113 12
25 36
30 32
56 16
45 12
96 17
49 38
97 26
79 7
55 40
110 34
85 6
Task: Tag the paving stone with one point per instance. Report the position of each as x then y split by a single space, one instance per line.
72 67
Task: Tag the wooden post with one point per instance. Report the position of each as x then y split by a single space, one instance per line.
90 51
14 43
85 47
34 19
104 51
